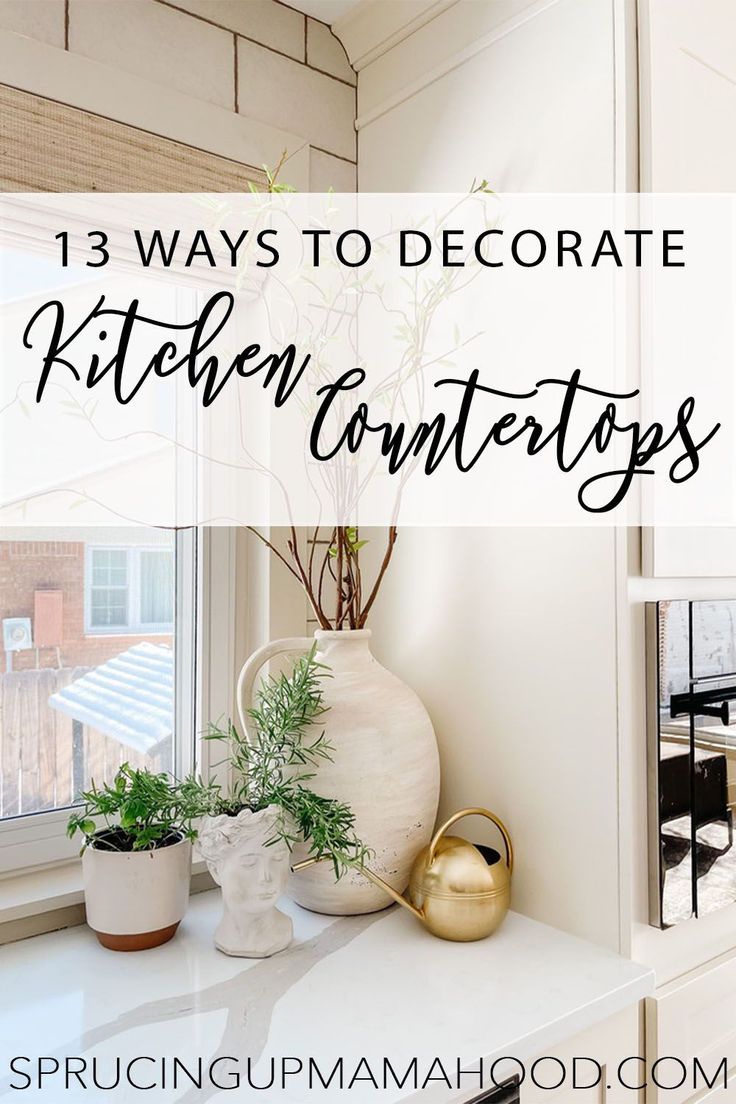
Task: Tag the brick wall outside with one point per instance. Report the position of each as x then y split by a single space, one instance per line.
27 566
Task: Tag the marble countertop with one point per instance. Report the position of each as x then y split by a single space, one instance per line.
375 988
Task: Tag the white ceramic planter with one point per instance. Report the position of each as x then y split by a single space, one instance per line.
385 766
136 899
252 876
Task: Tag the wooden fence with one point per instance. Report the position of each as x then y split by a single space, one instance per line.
37 745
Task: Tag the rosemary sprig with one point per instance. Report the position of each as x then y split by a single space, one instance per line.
274 764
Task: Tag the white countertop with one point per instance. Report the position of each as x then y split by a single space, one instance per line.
374 987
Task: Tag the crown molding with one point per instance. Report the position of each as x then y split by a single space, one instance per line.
468 44
374 26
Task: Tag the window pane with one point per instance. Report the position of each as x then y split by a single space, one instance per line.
109 607
63 597
157 587
109 567
108 588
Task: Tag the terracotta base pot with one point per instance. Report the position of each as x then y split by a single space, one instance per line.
141 942
136 899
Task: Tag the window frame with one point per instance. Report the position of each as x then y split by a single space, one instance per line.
205 584
204 666
133 625
37 841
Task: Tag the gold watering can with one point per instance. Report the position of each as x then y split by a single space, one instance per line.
459 891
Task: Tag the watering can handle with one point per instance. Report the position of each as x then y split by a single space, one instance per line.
251 668
474 812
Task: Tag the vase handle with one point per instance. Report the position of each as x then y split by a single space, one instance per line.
251 668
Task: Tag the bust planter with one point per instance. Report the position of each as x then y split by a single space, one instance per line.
253 875
384 765
136 899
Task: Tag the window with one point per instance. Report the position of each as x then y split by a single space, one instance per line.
87 616
108 588
151 592
157 593
129 590
70 703
47 753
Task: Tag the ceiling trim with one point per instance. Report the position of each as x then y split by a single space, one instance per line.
371 28
453 61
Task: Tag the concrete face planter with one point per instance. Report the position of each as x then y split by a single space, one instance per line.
385 766
136 899
252 876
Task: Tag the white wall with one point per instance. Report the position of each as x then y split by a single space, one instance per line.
509 635
527 102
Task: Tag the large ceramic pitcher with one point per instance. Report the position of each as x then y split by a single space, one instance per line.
385 766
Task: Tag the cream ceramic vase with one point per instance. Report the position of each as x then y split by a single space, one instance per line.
385 765
136 899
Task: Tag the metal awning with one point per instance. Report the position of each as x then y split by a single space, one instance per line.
130 698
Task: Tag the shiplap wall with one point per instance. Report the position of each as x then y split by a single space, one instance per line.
260 59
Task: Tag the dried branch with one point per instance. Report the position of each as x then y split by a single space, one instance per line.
352 571
392 534
275 551
311 554
325 562
340 551
293 545
344 569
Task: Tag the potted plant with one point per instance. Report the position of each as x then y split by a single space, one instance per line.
248 835
136 855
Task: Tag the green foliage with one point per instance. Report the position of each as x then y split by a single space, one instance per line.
139 810
272 181
274 766
351 544
329 828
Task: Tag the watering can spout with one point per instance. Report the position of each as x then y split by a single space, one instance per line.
369 874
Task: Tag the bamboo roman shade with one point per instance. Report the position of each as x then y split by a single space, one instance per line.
48 147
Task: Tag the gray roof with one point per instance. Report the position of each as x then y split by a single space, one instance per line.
130 698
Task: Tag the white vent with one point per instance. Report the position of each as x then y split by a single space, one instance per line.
17 635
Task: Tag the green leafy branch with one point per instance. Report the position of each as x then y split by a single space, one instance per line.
274 765
139 811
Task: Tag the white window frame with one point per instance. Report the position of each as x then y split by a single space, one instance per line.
33 842
204 673
204 665
133 625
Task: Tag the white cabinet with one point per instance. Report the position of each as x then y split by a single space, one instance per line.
609 1043
669 553
693 1021
688 95
688 118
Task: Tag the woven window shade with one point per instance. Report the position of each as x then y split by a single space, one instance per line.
48 147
